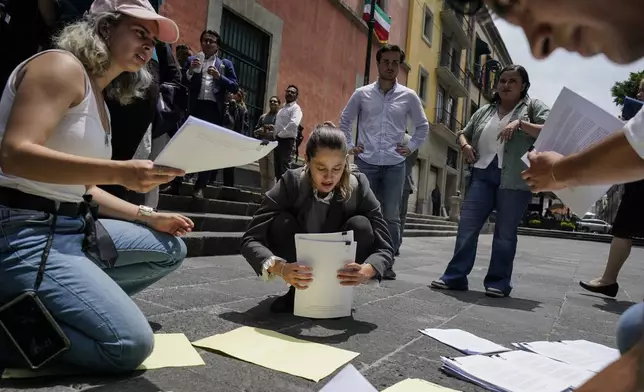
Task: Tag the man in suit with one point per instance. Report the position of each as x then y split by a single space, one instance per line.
211 80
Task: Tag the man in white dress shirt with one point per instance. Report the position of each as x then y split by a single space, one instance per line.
287 121
211 80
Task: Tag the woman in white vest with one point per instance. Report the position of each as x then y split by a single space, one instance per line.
56 144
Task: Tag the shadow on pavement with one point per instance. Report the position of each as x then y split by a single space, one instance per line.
614 306
261 317
479 298
114 383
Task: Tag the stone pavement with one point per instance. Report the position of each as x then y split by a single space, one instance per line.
217 294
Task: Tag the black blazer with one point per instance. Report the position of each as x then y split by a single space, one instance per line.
294 194
227 83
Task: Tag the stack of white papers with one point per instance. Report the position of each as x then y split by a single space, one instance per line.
463 341
580 353
516 371
325 253
200 146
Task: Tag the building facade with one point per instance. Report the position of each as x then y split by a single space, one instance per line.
439 46
318 45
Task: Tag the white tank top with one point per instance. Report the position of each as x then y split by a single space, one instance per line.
80 132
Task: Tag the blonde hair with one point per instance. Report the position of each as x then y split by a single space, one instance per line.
83 39
325 136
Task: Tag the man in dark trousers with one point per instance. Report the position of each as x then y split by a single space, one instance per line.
436 201
212 80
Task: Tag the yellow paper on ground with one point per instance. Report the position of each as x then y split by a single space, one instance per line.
417 385
280 352
170 350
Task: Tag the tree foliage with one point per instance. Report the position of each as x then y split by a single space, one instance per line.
626 88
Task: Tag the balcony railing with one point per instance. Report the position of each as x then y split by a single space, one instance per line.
487 88
443 116
460 19
448 61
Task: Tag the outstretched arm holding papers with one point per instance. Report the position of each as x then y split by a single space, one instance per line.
323 197
614 160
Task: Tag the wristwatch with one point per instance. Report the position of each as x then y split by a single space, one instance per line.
145 211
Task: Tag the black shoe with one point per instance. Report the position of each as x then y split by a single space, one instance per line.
389 275
198 194
285 303
440 285
397 253
609 290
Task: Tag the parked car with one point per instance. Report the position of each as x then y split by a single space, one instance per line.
593 226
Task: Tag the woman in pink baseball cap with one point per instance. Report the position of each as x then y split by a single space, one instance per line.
66 272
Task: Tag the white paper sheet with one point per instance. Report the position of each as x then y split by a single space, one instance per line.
497 374
201 146
573 125
348 379
463 341
568 354
325 297
571 375
594 349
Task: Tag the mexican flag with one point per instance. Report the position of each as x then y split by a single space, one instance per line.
383 21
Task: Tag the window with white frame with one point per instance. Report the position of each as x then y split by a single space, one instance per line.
428 25
423 84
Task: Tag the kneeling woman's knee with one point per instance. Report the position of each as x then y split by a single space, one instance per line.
129 351
630 328
176 250
361 227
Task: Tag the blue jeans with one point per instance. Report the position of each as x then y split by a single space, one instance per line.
92 304
630 328
387 184
483 196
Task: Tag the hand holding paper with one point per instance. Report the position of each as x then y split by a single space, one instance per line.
354 274
540 176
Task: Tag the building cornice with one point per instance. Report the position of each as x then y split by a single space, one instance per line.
490 28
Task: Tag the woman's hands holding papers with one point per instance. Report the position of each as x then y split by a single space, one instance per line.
298 276
541 175
142 175
354 274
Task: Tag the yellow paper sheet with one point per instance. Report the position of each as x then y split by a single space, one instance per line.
170 350
417 385
276 351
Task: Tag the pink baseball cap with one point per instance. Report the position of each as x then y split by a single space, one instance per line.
140 9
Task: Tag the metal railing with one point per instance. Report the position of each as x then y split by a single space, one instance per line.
453 64
448 119
462 21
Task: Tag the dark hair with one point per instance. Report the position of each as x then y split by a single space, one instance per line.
525 80
279 101
324 136
390 48
183 47
213 33
295 87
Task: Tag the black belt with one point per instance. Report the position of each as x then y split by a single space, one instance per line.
97 243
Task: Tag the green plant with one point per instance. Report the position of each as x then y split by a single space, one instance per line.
568 225
534 222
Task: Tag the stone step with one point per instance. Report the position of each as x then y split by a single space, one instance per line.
429 233
423 216
573 235
223 193
218 222
189 204
210 243
430 221
429 226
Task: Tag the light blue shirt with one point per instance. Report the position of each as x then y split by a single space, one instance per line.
383 119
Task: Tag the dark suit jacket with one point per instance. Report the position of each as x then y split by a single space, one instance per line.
294 194
226 84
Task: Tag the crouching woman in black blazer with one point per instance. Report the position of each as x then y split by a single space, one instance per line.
322 197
